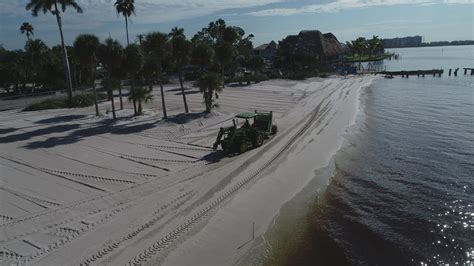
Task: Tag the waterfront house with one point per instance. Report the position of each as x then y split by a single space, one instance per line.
309 49
267 50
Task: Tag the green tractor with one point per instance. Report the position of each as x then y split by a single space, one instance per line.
235 139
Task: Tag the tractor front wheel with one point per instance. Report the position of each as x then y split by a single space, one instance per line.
243 147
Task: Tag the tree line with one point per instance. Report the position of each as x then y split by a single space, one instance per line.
215 50
362 47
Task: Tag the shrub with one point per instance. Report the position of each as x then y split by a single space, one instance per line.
312 73
191 76
297 76
260 77
228 80
274 75
165 79
323 75
77 101
55 103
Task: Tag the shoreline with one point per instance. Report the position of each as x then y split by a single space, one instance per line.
291 225
436 45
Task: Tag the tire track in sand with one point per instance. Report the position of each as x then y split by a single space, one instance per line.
157 215
146 255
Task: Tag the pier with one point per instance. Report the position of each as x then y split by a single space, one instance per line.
468 69
418 73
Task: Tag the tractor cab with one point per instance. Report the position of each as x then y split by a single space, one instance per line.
247 116
257 127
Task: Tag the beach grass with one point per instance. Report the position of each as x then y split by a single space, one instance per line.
77 101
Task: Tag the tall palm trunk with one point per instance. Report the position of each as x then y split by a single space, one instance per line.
110 84
111 94
133 99
126 29
208 99
360 59
65 59
163 100
140 109
120 95
162 97
94 92
74 73
180 76
112 102
223 79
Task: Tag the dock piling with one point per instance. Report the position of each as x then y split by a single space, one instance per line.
466 69
406 73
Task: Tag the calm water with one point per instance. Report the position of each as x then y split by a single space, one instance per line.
403 186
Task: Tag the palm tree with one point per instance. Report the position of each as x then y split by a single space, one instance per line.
350 48
126 8
134 63
256 64
380 46
27 28
202 56
210 84
180 55
12 67
360 47
85 49
111 55
37 53
140 94
372 45
52 6
225 53
155 46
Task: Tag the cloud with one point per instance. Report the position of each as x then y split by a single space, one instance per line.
458 2
147 11
340 5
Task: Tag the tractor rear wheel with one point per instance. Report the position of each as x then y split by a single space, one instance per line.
274 129
258 141
243 147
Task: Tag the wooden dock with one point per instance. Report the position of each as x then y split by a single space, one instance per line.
468 69
407 73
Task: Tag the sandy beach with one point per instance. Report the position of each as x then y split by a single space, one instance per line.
77 189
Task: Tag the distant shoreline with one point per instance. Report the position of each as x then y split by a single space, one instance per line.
431 45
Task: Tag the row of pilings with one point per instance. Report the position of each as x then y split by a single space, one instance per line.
466 69
422 73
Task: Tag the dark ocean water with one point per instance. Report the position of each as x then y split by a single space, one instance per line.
402 191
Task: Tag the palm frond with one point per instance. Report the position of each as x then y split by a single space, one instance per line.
47 6
125 7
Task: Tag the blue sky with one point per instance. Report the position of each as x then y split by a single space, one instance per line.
267 19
